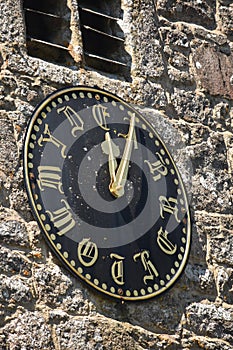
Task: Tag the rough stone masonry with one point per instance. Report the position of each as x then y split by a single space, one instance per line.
181 69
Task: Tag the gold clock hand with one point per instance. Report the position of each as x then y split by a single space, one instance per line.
112 163
112 150
117 187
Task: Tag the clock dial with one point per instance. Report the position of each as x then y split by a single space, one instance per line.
106 193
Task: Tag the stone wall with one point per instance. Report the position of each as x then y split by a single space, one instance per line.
181 69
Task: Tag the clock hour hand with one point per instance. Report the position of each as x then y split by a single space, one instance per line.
117 187
113 151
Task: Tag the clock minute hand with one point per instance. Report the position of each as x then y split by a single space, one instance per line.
112 163
117 187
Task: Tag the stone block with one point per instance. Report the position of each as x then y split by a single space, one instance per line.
195 12
213 70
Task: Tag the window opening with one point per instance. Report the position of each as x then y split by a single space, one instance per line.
49 35
103 39
48 30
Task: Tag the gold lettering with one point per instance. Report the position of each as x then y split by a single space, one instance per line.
48 137
147 264
100 114
168 205
117 269
49 176
87 252
73 117
157 167
62 218
167 246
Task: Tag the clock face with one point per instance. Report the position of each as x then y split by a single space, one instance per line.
106 193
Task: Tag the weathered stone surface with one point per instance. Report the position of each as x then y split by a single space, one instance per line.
225 18
13 232
147 59
214 70
9 154
28 330
50 284
217 232
191 107
210 320
88 333
212 188
191 341
15 292
14 262
194 11
224 282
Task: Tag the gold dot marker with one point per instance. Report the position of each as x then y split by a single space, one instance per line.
65 254
39 207
80 270
104 286
162 152
43 217
88 276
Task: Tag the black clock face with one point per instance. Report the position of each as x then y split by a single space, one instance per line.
106 193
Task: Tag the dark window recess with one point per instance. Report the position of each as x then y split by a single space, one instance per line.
48 30
103 39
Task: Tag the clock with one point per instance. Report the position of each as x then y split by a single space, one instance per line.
106 193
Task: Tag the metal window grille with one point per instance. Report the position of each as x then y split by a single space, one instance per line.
49 35
103 39
48 30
